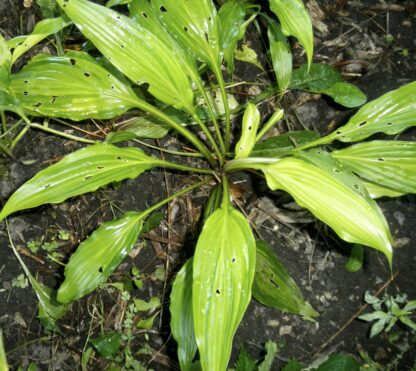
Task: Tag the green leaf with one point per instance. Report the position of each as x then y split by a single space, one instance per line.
214 201
295 21
244 361
408 322
273 286
271 352
281 54
292 365
119 39
80 172
194 24
99 255
223 271
107 345
42 30
49 8
182 320
348 213
232 25
5 62
391 164
356 259
377 191
248 55
283 144
139 127
324 79
9 102
251 121
147 323
3 359
112 3
389 114
73 86
339 362
144 306
373 316
378 327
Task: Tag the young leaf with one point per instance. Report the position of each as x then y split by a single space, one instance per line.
324 79
80 172
232 28
194 23
282 145
182 320
223 271
391 164
281 54
49 8
5 62
272 285
356 259
99 255
271 352
251 121
119 39
332 201
3 359
389 114
73 86
248 55
295 21
42 30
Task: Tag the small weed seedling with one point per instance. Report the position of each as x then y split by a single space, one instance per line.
174 60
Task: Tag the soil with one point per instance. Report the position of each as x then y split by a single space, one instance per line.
350 35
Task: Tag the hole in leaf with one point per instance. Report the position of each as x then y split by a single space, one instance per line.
233 260
25 93
122 46
185 29
338 132
381 159
362 123
26 81
87 74
389 123
54 98
249 128
100 270
218 292
163 9
72 61
46 186
87 177
356 186
37 105
144 15
100 167
337 171
207 37
119 158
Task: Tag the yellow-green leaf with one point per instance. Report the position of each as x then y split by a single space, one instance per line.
295 21
138 53
281 55
74 86
223 271
98 256
80 172
332 201
182 320
3 360
391 164
251 121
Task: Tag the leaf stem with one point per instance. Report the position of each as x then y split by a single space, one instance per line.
59 133
176 153
173 165
249 163
221 83
3 121
176 126
172 197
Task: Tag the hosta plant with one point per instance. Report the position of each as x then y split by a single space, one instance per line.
166 58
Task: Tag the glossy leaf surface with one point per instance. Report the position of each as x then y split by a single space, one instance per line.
98 256
182 320
283 144
223 271
324 79
251 121
120 39
273 286
295 21
281 54
391 164
377 191
73 86
333 202
390 114
194 24
9 102
42 30
79 172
